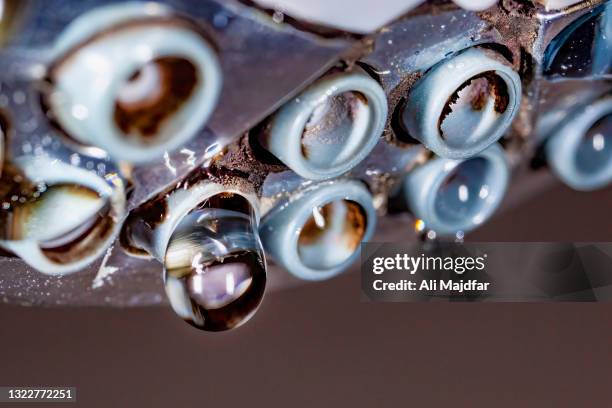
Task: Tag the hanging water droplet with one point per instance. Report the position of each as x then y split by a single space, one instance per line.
278 17
214 268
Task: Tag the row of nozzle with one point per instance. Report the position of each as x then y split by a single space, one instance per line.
211 236
137 80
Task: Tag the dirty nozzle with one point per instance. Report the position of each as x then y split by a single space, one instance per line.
464 104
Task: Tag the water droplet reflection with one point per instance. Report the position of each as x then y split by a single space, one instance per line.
475 109
214 269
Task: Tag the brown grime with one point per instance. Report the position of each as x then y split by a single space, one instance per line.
354 225
484 85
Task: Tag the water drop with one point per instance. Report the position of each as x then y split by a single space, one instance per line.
214 268
278 17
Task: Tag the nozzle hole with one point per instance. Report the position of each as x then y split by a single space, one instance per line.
464 192
152 95
331 234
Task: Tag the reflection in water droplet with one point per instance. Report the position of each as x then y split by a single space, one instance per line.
214 269
278 17
332 234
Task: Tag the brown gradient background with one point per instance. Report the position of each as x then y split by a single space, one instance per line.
318 345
